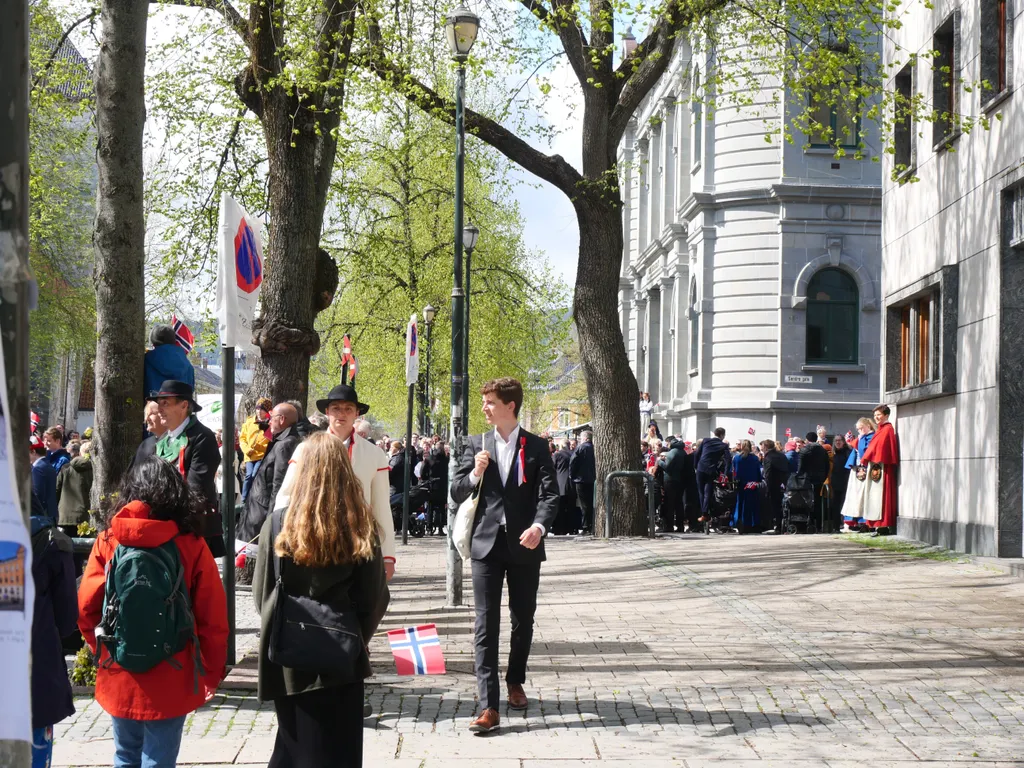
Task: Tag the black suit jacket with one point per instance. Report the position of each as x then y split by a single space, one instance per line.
561 459
260 501
582 465
813 463
535 501
202 458
712 457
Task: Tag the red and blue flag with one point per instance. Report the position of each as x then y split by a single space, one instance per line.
417 650
182 334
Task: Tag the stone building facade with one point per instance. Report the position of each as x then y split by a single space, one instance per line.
750 285
953 279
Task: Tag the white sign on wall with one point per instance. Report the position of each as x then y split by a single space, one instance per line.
791 379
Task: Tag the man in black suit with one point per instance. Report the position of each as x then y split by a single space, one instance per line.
566 520
270 476
813 464
193 450
583 471
518 503
712 459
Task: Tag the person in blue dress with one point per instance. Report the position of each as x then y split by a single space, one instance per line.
746 470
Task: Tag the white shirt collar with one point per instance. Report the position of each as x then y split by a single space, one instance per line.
512 436
176 433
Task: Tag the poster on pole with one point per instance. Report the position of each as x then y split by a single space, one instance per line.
412 353
239 273
17 590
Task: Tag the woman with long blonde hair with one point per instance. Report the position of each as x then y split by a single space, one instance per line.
329 551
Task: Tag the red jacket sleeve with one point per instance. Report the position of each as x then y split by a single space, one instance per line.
210 608
90 591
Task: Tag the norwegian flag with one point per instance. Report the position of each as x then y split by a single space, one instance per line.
182 334
34 418
750 431
849 437
417 650
349 364
789 432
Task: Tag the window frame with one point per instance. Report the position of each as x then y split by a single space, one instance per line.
834 119
937 355
946 95
813 302
696 122
996 53
904 125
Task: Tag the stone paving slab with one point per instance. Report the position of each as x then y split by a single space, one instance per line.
686 652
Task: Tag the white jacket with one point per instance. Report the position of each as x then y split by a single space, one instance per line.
371 467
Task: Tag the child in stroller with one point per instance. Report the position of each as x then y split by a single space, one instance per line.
798 506
417 510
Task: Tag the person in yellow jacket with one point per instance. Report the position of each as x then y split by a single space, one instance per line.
253 441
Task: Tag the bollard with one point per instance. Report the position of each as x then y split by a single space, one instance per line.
651 502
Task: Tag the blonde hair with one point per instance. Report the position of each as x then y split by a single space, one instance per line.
746 447
864 421
328 521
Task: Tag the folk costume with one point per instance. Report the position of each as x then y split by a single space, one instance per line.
884 454
853 505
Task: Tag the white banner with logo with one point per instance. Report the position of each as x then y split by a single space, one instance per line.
412 353
239 273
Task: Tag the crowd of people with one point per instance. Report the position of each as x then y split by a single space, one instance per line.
852 484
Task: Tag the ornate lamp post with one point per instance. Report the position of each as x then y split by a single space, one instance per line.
470 234
461 30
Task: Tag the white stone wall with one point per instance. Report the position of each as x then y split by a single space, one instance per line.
741 218
951 445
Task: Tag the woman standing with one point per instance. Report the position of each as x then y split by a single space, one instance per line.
646 409
853 515
329 551
746 471
840 476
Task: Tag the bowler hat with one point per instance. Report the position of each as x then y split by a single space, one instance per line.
346 394
178 389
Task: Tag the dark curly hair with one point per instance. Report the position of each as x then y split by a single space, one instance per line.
158 483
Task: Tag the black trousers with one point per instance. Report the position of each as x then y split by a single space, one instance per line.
672 506
565 520
775 494
523 580
705 488
585 493
320 729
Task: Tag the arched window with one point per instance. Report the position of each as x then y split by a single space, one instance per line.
694 327
833 305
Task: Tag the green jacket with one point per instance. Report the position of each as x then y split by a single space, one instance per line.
360 586
74 484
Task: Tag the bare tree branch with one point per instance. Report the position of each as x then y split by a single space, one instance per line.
63 39
566 23
224 8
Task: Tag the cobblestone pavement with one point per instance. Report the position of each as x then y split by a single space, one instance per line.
687 651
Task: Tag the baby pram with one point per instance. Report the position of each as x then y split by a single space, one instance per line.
798 506
417 513
723 502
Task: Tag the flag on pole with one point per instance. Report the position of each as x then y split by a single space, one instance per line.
182 334
417 650
353 368
239 273
34 418
412 354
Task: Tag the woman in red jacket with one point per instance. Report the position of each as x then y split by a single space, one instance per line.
155 507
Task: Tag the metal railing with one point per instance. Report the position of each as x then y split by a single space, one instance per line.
651 501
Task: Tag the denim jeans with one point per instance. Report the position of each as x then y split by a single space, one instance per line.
251 468
147 743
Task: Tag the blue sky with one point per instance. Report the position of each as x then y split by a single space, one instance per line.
8 549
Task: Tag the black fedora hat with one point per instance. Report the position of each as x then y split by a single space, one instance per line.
178 389
346 394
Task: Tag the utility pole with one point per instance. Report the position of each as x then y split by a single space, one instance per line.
16 285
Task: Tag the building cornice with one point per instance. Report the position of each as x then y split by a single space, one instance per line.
699 202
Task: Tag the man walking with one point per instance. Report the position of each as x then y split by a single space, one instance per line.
369 463
814 465
583 470
712 460
518 503
566 521
273 468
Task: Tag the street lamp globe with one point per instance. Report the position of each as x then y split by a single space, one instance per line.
461 30
470 233
428 313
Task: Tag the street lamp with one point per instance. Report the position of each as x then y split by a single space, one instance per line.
428 317
470 234
461 30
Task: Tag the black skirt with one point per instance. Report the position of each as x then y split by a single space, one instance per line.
320 729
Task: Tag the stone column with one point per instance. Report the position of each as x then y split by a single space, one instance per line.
668 329
668 162
655 181
643 190
629 231
639 315
652 368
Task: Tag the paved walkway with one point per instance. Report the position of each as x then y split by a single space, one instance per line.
689 651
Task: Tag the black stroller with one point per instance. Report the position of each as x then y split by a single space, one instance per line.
417 510
798 506
723 502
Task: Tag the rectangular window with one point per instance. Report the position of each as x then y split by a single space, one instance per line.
903 121
923 345
995 47
835 118
917 355
1016 213
946 81
904 346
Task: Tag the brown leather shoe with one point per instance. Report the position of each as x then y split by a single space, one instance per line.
487 722
516 696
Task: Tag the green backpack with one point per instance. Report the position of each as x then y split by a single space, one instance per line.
147 613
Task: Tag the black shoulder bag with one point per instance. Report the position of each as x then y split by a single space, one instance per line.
308 635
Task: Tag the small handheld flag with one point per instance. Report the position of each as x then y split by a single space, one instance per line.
417 650
789 432
522 460
182 334
849 437
750 431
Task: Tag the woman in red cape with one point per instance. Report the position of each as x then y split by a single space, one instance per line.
885 450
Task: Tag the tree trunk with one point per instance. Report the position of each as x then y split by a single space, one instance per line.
119 240
611 385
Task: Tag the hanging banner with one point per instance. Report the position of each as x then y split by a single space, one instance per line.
412 354
239 273
17 590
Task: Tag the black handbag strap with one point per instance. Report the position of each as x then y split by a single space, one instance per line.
275 529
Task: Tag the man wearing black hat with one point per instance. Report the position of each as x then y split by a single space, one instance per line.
192 448
342 407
